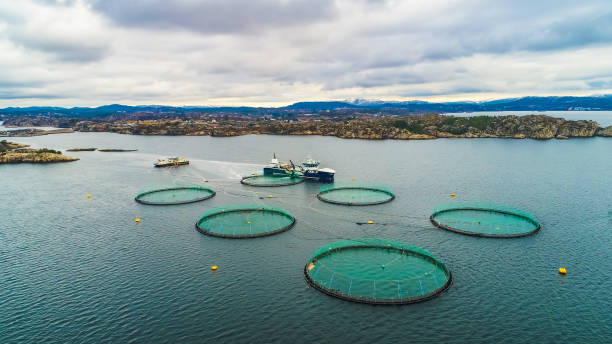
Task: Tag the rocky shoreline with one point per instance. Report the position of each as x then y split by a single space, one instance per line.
424 127
421 127
34 132
14 153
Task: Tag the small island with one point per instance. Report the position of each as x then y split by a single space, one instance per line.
6 146
117 150
33 132
14 153
81 149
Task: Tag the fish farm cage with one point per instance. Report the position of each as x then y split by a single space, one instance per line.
355 194
484 220
177 193
266 180
377 271
244 221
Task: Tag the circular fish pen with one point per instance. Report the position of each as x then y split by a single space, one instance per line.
377 271
355 194
484 220
247 221
265 180
174 194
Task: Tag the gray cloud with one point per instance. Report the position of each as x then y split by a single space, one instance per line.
572 32
6 84
66 31
451 90
273 52
65 3
375 78
212 16
67 51
17 95
600 84
470 27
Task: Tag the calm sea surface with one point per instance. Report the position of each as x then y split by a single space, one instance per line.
78 270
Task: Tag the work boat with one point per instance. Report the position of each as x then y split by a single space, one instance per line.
311 170
278 168
169 162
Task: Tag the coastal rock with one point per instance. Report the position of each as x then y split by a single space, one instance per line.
444 134
81 150
117 150
39 156
197 133
543 133
402 135
36 132
605 132
421 137
371 128
578 129
6 145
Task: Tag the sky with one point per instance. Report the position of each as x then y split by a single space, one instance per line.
277 52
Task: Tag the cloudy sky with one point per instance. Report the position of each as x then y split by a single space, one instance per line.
276 52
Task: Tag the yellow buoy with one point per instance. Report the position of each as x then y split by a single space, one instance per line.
353 179
204 180
88 196
370 222
137 219
452 195
270 196
562 271
249 222
214 267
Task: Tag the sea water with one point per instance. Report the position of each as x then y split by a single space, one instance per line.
81 270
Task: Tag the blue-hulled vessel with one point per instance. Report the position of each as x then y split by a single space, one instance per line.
309 169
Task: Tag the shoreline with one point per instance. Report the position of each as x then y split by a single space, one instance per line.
423 127
16 153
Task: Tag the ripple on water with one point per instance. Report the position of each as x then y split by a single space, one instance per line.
81 270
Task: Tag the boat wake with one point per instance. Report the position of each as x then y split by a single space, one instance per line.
224 170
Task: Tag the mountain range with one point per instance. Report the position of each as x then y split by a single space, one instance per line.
603 102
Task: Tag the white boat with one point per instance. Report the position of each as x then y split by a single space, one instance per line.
171 162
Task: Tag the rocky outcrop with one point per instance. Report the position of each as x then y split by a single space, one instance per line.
39 121
423 127
6 145
112 150
81 150
38 156
578 129
34 132
605 132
